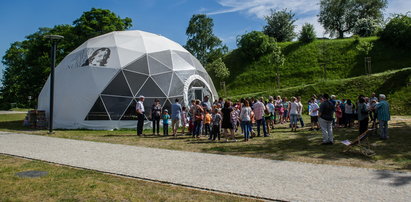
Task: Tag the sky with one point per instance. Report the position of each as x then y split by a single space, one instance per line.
19 18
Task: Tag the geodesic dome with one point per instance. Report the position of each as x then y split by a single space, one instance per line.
98 84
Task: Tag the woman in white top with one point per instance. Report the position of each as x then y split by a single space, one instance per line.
293 110
245 116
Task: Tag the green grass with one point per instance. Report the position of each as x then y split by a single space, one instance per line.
302 146
70 184
303 64
394 84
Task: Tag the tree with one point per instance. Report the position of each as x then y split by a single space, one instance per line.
280 25
28 63
307 33
340 16
99 21
218 69
365 27
201 42
255 44
398 31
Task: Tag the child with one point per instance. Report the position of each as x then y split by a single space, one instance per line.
216 121
207 122
183 119
166 117
338 113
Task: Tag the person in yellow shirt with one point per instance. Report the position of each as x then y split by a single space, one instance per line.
207 122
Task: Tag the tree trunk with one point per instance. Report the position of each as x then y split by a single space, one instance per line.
340 34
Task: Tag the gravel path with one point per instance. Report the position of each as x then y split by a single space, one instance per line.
281 180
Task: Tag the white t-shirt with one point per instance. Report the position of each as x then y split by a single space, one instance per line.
140 106
314 109
300 105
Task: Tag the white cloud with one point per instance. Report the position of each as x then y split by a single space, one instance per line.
261 8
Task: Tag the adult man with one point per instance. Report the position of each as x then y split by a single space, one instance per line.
383 116
258 109
206 104
175 116
326 114
140 115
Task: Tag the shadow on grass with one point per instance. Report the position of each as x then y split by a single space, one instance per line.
307 144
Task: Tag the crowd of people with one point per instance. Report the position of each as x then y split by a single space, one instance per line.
258 117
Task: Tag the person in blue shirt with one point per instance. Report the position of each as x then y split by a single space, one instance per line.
175 116
166 117
383 116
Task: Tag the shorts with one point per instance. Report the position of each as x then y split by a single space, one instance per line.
272 116
285 114
314 119
175 123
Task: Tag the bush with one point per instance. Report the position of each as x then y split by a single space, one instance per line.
255 44
307 33
398 31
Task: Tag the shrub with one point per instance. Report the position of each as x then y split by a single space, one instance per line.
398 31
307 33
366 27
255 44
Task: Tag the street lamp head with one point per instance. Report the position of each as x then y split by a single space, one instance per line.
54 37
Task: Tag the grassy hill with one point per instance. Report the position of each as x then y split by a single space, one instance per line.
396 84
303 64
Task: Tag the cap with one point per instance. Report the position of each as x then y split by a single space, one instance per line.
141 96
166 110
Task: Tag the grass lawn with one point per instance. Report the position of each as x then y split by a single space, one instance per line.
70 184
303 146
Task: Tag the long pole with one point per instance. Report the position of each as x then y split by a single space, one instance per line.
53 64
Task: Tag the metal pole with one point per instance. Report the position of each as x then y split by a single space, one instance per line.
53 64
54 39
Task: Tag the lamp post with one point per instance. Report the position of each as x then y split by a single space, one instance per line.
54 40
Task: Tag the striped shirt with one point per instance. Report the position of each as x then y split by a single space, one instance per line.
383 110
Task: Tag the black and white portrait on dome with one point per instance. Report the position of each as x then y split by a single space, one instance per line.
98 58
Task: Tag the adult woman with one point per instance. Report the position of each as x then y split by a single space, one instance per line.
362 112
198 118
293 109
156 115
349 112
226 123
245 116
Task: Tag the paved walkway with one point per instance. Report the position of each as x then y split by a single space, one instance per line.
281 180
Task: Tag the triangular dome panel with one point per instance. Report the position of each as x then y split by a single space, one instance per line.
177 88
116 105
140 65
98 111
130 113
135 80
164 57
163 81
151 89
156 67
118 86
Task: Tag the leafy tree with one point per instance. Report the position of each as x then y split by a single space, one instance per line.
28 62
365 27
99 21
340 16
307 33
398 31
218 69
255 44
280 25
201 42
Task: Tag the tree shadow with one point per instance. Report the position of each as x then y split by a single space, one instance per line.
397 179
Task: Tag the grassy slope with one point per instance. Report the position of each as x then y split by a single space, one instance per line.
392 83
303 61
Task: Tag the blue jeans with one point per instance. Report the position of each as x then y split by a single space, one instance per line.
293 119
300 118
197 128
259 122
246 125
383 129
